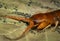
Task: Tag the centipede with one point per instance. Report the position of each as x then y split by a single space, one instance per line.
41 20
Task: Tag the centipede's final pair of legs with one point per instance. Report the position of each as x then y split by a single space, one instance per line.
43 24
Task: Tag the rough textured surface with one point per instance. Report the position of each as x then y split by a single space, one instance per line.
26 8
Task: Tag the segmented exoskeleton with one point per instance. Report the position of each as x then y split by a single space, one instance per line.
41 20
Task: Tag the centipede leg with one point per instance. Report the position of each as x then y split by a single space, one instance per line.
56 24
31 24
46 27
43 25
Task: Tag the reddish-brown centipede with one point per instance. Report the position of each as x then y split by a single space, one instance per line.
40 20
